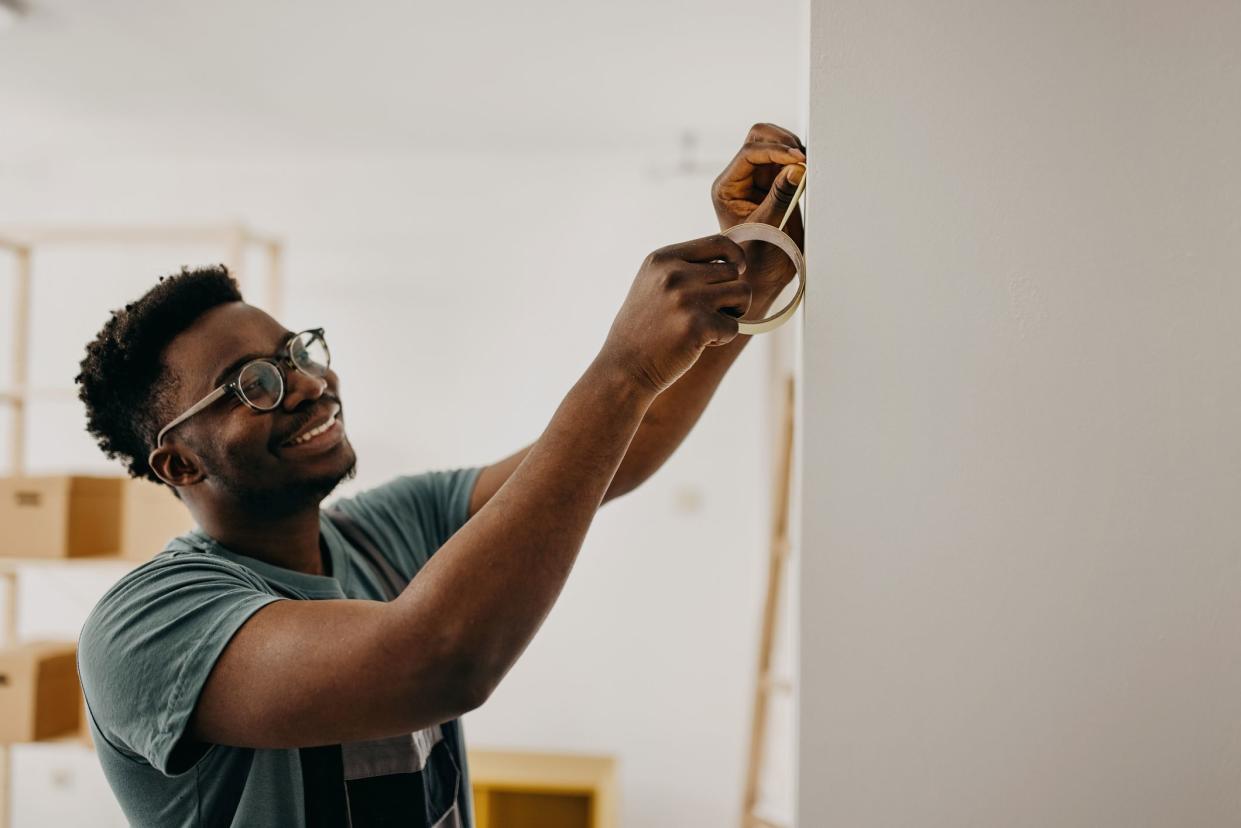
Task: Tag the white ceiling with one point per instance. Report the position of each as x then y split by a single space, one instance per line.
106 76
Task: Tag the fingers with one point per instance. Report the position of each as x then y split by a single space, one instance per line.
778 199
770 152
709 259
706 249
746 184
730 301
732 297
777 134
748 176
767 149
716 272
786 185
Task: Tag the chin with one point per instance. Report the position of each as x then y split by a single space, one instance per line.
344 467
270 489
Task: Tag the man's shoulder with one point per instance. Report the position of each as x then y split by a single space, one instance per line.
181 572
147 646
437 493
185 556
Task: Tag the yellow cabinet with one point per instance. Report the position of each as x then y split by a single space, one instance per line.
519 789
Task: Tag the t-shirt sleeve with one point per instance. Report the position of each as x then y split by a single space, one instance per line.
414 515
148 646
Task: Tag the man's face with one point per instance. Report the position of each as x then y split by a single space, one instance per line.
249 455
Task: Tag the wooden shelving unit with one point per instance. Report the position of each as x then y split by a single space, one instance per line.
21 244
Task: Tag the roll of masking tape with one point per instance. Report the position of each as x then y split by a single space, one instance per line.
754 231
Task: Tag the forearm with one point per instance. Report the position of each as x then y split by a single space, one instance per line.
673 414
492 584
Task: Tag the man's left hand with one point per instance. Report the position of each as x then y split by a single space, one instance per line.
758 186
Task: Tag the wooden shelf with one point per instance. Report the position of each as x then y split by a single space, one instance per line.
20 395
224 233
10 565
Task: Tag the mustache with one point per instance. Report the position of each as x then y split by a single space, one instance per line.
315 410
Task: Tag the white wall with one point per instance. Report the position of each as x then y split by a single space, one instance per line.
462 296
1022 548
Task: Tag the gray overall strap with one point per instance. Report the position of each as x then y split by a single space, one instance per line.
390 581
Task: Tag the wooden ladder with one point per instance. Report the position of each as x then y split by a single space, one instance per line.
765 683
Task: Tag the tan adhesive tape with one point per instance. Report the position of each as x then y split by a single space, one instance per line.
754 231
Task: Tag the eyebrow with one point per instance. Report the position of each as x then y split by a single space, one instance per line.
240 361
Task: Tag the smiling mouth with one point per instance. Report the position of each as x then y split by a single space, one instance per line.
311 434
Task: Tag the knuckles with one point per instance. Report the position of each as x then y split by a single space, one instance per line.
693 326
685 300
672 278
760 129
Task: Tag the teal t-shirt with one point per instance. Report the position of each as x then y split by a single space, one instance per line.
148 646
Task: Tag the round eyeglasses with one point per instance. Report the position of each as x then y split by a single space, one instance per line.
260 383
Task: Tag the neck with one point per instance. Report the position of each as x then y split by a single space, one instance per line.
290 541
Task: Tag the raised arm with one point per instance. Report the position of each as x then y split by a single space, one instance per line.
757 185
302 673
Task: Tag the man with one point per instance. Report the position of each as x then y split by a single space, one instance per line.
284 664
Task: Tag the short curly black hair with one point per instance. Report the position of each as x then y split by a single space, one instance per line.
127 388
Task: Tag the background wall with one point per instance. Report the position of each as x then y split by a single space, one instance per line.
1022 470
465 197
456 332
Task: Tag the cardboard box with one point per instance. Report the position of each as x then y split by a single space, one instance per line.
80 516
60 517
151 516
84 734
39 693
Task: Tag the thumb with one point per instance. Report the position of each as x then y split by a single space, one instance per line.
779 196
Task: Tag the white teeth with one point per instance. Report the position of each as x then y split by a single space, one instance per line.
315 432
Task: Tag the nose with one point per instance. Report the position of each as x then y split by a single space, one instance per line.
299 387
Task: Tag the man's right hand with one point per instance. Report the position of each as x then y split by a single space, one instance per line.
685 298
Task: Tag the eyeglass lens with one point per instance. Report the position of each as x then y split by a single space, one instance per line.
261 383
310 353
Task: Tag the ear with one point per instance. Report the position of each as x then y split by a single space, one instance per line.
176 465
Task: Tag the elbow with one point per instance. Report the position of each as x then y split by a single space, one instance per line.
474 696
443 680
449 695
472 687
466 685
469 662
620 488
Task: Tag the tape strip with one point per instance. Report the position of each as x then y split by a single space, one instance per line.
757 231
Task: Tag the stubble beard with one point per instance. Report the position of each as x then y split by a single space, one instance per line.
285 499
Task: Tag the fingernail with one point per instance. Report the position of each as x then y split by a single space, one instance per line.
796 173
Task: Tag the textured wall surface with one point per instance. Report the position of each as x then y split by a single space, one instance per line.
1021 567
